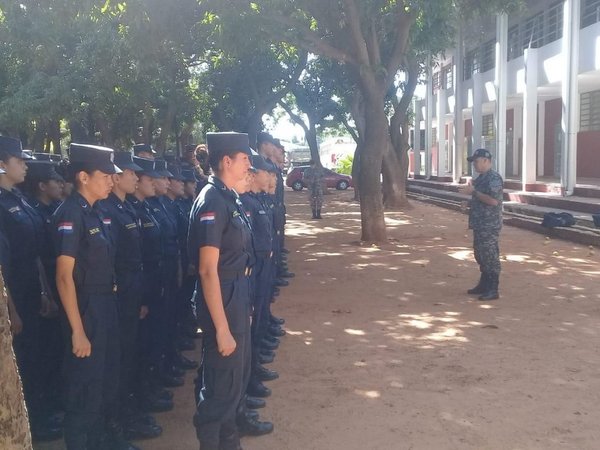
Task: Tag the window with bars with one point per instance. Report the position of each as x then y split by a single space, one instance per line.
590 12
590 111
471 64
554 23
488 55
436 83
532 35
487 125
514 43
448 77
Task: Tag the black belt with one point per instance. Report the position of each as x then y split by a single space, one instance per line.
99 289
229 275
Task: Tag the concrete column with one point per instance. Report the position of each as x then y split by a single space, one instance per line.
417 138
441 132
450 152
459 122
428 119
570 95
477 118
501 90
541 136
530 108
517 134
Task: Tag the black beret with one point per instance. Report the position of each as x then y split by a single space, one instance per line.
124 160
42 171
146 167
13 147
260 163
139 148
160 167
176 172
92 157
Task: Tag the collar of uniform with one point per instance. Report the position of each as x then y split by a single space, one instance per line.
115 199
81 201
216 182
14 191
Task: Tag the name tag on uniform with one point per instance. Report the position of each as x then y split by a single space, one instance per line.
262 212
14 209
131 226
148 224
93 231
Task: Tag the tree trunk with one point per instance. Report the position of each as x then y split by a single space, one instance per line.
166 127
394 181
313 145
376 141
147 126
356 170
54 137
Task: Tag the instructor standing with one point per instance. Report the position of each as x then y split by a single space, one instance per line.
485 219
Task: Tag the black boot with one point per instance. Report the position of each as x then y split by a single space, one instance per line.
481 286
251 426
319 213
314 213
491 292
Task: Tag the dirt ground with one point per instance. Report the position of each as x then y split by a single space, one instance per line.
386 351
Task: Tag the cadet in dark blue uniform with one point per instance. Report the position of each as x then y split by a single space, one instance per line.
220 246
151 396
43 188
86 284
170 375
23 225
126 235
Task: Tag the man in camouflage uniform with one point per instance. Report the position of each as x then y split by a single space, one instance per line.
314 179
485 219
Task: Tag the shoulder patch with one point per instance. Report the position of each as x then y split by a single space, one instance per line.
207 217
65 227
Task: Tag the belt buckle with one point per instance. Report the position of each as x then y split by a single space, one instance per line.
248 271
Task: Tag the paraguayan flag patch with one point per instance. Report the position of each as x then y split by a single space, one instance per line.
65 227
207 217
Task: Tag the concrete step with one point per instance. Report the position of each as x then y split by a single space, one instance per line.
521 215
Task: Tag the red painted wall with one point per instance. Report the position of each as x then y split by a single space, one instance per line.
553 117
588 154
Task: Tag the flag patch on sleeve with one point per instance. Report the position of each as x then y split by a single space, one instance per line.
207 217
65 227
107 221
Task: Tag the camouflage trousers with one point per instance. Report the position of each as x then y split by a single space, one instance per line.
316 197
487 252
14 423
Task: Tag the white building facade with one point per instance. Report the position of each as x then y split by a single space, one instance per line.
527 88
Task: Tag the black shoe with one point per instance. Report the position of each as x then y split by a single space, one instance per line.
277 320
155 405
185 363
266 359
253 427
115 439
138 431
269 345
171 381
255 402
173 370
161 393
257 389
272 339
276 291
491 292
185 345
281 282
285 250
287 274
276 331
481 286
275 294
263 374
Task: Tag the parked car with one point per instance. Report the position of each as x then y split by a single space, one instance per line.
295 179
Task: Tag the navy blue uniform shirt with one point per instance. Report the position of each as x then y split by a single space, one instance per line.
79 231
150 231
125 233
168 228
260 220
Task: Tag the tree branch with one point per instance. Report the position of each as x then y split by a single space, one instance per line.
295 117
404 23
356 32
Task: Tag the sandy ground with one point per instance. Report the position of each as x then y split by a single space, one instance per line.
386 351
